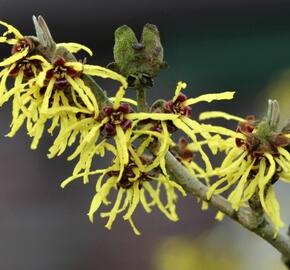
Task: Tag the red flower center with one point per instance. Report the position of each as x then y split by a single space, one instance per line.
117 117
256 144
59 72
178 107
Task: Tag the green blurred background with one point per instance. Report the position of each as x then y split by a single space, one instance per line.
211 45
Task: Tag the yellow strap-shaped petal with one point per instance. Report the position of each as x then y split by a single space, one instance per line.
127 100
134 202
100 196
218 114
236 196
264 179
14 58
12 29
233 155
40 58
75 47
274 210
223 131
68 109
284 153
89 93
114 211
180 86
122 145
156 198
214 186
118 98
65 182
84 96
144 201
136 158
210 97
104 73
153 116
47 96
3 88
40 79
133 226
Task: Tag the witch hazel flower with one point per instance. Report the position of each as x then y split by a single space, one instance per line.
61 91
180 105
138 181
30 69
255 160
114 126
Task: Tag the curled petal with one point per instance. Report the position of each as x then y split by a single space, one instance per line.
14 58
75 47
12 29
104 73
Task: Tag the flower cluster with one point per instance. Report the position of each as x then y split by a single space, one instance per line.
139 142
53 88
50 86
256 158
46 88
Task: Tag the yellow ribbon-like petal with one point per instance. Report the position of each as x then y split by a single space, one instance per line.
75 47
12 29
180 86
14 58
210 97
217 114
104 73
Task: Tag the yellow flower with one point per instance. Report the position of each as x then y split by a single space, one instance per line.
180 106
18 65
140 180
24 66
255 159
118 122
133 134
21 45
59 93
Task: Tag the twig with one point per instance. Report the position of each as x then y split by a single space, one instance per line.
141 99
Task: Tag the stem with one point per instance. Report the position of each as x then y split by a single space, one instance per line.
100 94
141 99
247 218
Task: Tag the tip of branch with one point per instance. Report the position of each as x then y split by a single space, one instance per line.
273 115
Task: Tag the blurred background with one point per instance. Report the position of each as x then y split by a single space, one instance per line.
211 45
